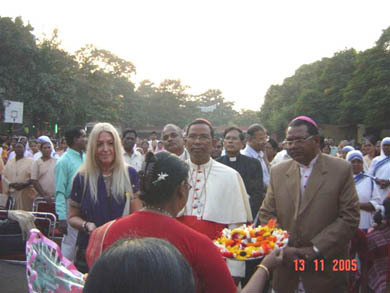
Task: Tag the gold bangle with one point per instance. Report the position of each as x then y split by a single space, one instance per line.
265 269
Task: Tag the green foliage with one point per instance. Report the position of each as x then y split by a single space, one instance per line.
348 88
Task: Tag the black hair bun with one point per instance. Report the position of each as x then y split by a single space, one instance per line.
150 157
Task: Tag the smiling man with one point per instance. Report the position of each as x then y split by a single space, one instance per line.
218 198
313 197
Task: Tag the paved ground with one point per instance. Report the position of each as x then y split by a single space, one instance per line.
12 278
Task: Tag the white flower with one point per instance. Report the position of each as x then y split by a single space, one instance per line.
160 177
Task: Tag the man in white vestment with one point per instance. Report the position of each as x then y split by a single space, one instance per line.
218 198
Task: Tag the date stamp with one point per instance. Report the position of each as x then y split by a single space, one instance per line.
338 265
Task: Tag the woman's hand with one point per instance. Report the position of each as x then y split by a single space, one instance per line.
274 259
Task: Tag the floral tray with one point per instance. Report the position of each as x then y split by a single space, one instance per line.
249 243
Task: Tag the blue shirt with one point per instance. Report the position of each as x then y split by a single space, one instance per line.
65 170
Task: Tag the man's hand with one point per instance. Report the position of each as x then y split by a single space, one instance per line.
274 259
290 254
307 253
63 226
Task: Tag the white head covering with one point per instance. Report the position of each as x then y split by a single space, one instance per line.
45 138
386 140
355 154
348 148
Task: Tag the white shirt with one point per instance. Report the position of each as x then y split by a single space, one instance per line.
305 172
250 152
280 157
185 155
135 160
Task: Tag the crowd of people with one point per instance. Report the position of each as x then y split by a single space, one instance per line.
188 185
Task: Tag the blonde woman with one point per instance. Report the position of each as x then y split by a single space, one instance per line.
104 188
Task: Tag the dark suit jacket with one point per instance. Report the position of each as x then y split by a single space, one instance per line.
252 174
327 216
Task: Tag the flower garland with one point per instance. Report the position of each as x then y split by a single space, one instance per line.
248 242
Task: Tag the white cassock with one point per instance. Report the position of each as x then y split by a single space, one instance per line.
367 191
218 198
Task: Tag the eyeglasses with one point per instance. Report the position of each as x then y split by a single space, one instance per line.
202 138
298 141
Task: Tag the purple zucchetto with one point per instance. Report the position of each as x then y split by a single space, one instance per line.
307 119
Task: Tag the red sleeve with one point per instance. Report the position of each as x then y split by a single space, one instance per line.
211 268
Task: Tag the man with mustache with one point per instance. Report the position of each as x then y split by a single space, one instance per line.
313 197
218 198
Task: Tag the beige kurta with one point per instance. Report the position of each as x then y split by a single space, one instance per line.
19 172
43 171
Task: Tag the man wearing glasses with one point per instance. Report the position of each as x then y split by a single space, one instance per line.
218 198
313 197
255 148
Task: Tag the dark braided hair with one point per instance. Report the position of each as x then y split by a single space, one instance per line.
161 165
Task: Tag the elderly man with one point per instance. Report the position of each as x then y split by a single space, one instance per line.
173 140
313 197
131 156
218 198
255 148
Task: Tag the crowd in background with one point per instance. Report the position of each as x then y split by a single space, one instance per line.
71 173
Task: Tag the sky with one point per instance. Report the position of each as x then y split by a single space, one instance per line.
239 47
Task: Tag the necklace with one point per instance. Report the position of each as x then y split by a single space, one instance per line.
157 210
108 182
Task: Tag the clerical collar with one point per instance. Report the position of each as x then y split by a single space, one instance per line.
311 164
232 159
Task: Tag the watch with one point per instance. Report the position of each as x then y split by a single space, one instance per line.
85 226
